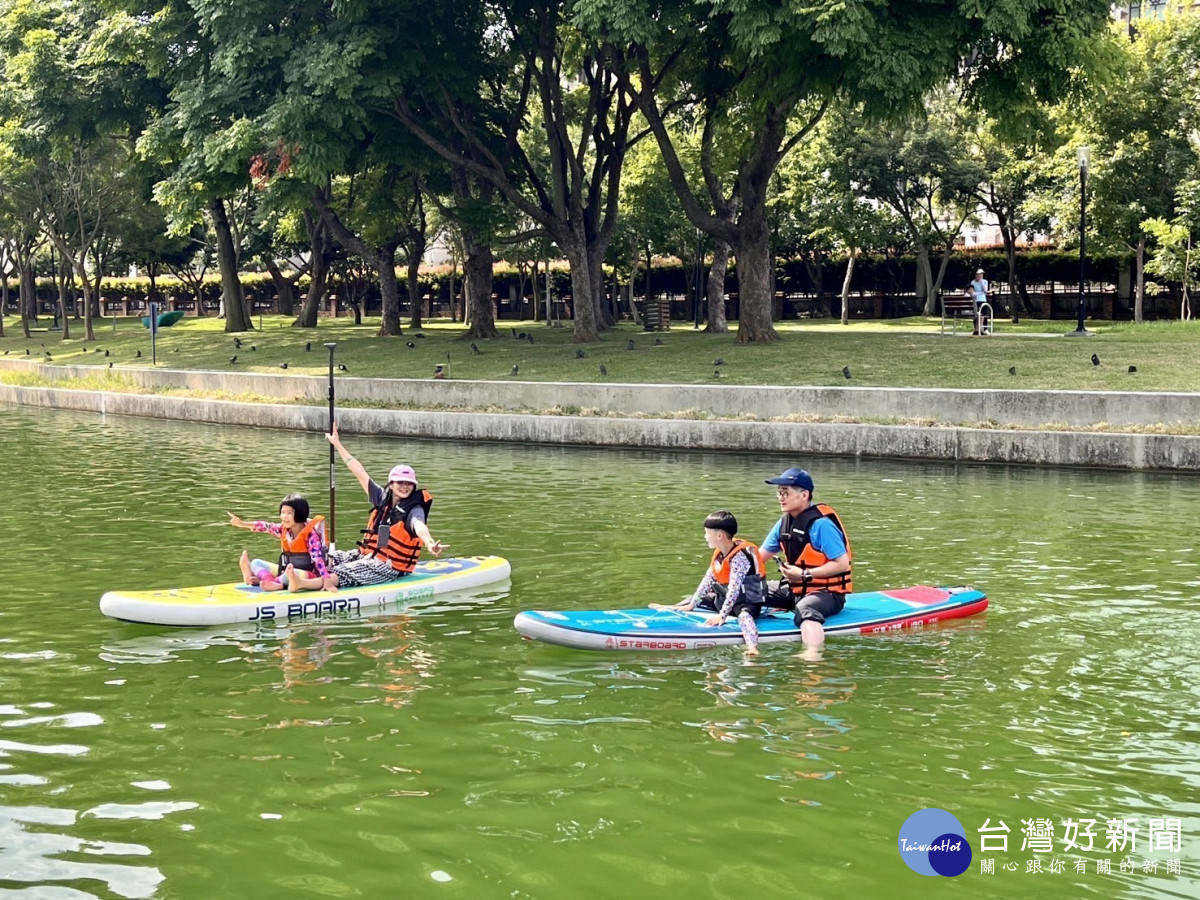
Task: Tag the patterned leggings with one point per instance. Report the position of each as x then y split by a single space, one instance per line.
746 613
355 570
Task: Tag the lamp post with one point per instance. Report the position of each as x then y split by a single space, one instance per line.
1083 155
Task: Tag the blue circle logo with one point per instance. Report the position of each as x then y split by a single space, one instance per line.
933 842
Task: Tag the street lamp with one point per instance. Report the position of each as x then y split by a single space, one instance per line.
1084 155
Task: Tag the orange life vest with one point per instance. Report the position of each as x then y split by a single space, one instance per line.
294 550
387 536
793 538
754 584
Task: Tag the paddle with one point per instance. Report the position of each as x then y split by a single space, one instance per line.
332 460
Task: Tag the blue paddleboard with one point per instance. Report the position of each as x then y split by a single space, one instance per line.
657 629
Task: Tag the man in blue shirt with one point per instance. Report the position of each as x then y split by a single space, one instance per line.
817 558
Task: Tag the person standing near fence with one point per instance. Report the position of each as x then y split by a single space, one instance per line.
979 293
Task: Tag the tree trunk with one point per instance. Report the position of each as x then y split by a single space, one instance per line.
389 289
815 269
237 318
522 277
318 283
92 303
3 297
284 287
597 250
63 267
926 273
413 284
646 285
846 285
1021 304
715 289
28 293
89 333
381 257
941 275
754 282
1139 279
479 277
537 300
582 302
691 295
318 269
1185 299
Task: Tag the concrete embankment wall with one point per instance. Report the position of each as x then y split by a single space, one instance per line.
1133 451
1074 409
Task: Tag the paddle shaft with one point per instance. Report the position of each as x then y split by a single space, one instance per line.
332 459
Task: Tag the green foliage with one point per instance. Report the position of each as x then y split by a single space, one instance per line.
1138 122
943 104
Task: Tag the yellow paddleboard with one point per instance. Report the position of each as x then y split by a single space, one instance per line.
222 604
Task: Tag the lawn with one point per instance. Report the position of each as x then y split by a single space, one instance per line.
898 352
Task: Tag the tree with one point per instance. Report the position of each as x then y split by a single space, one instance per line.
1174 257
207 132
914 166
817 218
1138 118
69 110
75 193
535 71
765 73
1011 154
649 218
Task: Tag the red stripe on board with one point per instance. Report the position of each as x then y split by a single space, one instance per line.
959 612
920 594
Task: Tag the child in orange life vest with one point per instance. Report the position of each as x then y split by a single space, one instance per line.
734 580
302 548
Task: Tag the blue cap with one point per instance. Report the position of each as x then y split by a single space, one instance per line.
794 477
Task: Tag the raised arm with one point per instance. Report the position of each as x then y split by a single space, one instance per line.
260 527
355 467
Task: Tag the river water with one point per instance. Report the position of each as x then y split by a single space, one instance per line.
432 753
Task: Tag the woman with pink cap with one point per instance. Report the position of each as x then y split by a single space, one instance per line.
395 534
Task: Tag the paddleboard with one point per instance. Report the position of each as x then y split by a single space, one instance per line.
223 604
866 612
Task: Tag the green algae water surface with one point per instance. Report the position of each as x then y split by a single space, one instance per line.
430 752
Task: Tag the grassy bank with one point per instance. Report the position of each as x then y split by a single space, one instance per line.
896 352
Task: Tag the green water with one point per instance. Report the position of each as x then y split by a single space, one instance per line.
432 753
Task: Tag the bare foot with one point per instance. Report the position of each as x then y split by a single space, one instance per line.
293 579
751 650
247 576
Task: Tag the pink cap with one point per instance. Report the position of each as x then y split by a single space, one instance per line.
402 473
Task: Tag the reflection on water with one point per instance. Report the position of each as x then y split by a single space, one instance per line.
788 712
33 846
431 746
